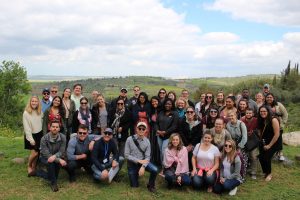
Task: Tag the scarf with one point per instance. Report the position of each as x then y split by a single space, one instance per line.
85 118
116 123
179 157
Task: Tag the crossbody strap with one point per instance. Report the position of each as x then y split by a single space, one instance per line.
138 146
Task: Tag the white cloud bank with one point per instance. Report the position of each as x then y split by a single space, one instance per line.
138 37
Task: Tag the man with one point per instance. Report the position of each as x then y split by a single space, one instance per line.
136 93
52 154
252 104
45 102
93 99
137 153
266 89
185 94
78 151
76 96
198 106
123 95
104 167
251 124
53 92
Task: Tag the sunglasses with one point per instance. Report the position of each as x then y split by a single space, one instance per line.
213 111
107 133
189 112
228 145
53 91
46 93
83 103
141 129
120 103
162 93
82 133
209 97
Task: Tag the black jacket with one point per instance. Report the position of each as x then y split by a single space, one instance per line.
188 136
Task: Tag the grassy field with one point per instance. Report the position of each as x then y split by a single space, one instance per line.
14 183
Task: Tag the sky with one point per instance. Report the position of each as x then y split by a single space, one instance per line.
168 38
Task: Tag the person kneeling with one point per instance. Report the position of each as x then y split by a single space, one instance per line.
104 167
230 169
137 153
176 165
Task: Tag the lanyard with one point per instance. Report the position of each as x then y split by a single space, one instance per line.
105 149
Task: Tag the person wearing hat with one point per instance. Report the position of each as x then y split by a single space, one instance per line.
266 89
105 167
45 101
122 95
78 151
137 153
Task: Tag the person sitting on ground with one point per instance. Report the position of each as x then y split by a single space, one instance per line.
220 134
104 167
78 151
137 153
52 154
230 167
176 165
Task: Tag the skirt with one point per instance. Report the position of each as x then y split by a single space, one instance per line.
37 138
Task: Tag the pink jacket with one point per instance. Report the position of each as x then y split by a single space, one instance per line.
180 157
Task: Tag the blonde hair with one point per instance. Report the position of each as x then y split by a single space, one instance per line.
184 100
231 155
28 107
180 145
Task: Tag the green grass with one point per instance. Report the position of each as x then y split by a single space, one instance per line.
14 184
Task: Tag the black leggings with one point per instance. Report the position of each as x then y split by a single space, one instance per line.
265 159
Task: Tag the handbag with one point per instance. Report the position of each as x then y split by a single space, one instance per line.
170 171
252 142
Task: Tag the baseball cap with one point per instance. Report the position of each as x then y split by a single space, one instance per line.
267 86
108 130
123 89
46 90
141 124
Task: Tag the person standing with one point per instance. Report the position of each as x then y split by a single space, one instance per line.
69 107
32 123
45 102
53 92
83 115
185 94
100 115
137 153
136 92
77 95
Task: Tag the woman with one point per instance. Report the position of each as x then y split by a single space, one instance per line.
100 117
83 115
172 95
198 106
120 122
259 99
230 167
155 109
220 100
56 112
220 134
32 122
176 165
279 111
181 105
269 131
209 102
190 130
69 107
208 121
205 163
167 122
141 111
230 106
162 95
242 107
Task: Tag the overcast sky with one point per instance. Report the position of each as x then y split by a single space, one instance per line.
170 38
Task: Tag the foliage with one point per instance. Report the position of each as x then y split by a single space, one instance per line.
13 87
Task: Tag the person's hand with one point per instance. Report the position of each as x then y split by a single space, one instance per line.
114 164
32 143
189 148
209 172
62 162
143 162
194 171
142 171
179 180
222 180
104 174
120 129
266 147
51 159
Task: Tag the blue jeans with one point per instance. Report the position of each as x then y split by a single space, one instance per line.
52 171
162 145
228 185
204 180
133 173
171 180
74 164
97 171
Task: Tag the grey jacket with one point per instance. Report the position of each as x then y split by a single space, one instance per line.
50 147
238 133
235 169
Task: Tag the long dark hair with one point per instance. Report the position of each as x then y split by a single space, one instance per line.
274 103
64 92
158 109
144 94
61 110
262 121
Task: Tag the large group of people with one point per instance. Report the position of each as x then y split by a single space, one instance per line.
207 144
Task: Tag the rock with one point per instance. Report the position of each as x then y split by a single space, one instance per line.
297 157
1 154
291 139
18 161
287 162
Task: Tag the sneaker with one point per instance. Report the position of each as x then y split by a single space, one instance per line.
281 158
253 176
54 187
233 191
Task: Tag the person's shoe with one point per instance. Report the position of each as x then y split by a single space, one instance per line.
151 188
31 174
268 178
209 189
281 158
253 176
233 191
54 187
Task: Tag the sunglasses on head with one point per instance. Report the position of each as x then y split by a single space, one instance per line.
228 145
141 129
108 133
83 103
82 133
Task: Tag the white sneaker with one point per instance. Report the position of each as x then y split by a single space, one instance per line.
233 191
253 176
281 158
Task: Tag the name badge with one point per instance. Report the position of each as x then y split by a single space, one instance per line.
105 160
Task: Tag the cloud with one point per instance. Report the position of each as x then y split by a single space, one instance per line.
273 12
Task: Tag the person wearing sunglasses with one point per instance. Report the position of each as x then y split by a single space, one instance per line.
45 102
162 94
83 115
137 153
208 121
53 92
78 151
105 166
123 96
120 122
230 167
100 115
136 92
209 102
